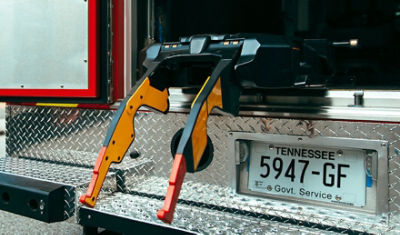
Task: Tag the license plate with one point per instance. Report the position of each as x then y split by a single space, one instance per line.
320 174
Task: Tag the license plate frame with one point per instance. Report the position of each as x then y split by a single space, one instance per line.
376 163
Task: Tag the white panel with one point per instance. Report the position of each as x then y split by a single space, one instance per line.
43 44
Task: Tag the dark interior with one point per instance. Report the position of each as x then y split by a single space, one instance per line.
374 64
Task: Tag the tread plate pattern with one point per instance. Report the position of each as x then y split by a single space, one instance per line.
74 136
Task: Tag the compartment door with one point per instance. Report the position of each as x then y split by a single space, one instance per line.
49 49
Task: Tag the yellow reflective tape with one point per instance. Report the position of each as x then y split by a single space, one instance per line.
199 134
197 96
58 105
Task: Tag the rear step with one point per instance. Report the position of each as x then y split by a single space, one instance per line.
37 199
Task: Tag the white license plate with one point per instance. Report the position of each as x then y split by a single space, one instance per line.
328 175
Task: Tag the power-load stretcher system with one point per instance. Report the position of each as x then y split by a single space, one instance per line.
229 63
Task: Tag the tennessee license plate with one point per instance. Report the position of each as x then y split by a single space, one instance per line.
320 174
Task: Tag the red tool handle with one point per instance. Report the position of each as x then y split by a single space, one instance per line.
166 214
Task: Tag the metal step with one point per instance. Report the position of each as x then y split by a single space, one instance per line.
36 178
140 211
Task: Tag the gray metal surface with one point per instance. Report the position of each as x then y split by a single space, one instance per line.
67 175
60 135
317 104
220 198
198 219
43 44
36 131
74 178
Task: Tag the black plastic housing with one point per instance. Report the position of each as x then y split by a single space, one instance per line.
32 198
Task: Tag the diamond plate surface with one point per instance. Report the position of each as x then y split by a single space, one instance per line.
58 173
197 219
220 198
71 176
67 136
73 136
56 134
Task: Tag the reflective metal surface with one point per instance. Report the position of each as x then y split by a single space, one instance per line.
74 136
198 219
43 44
72 177
314 104
64 174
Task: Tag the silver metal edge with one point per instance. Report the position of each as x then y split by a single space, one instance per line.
336 104
138 220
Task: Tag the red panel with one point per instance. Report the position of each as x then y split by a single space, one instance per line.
93 47
118 48
93 74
